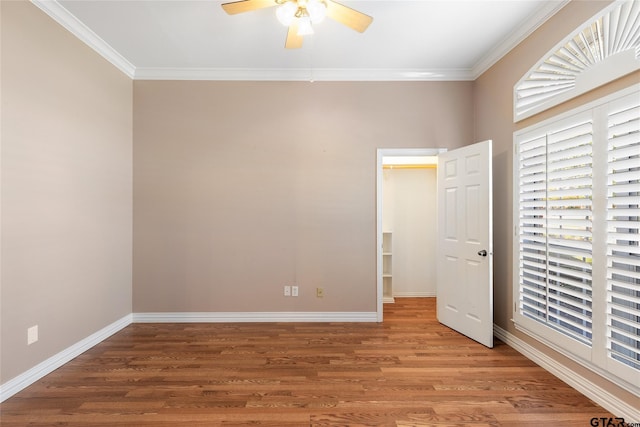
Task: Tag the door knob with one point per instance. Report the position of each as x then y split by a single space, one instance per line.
482 253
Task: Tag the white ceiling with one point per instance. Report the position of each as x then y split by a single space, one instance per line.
408 39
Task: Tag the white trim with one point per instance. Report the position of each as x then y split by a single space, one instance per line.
615 67
633 88
620 382
63 17
380 298
429 294
243 317
381 153
410 152
34 374
580 353
590 75
302 74
593 391
522 32
44 368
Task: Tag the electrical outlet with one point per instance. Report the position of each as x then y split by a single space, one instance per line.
32 335
294 291
287 291
319 292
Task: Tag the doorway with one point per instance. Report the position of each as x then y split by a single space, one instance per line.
399 173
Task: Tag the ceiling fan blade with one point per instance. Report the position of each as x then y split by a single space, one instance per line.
294 41
347 16
246 6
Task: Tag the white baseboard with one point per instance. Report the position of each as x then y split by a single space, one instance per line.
267 316
588 388
594 392
414 294
29 377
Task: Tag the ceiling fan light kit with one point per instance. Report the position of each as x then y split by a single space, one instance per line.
306 11
304 26
301 15
286 13
317 10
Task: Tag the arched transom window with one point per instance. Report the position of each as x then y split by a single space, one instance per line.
602 50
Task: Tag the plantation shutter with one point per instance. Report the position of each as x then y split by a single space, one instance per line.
623 230
555 223
569 224
532 221
577 196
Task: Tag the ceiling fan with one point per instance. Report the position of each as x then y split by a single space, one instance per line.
300 15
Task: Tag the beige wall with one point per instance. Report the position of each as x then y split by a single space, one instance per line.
66 144
241 188
493 93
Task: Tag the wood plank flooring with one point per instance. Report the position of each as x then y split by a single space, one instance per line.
407 371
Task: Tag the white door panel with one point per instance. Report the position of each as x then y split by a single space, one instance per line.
465 244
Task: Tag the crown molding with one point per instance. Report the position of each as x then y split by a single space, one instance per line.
522 32
300 74
63 17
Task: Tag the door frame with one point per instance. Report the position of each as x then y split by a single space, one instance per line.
382 153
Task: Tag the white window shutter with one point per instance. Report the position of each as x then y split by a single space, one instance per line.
569 227
623 231
571 213
555 223
604 49
532 226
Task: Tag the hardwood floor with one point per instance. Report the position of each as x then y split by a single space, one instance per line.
408 371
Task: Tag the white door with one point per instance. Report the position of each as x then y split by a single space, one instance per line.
465 243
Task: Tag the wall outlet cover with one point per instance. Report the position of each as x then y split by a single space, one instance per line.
32 335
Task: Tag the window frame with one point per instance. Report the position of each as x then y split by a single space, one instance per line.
560 76
595 356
